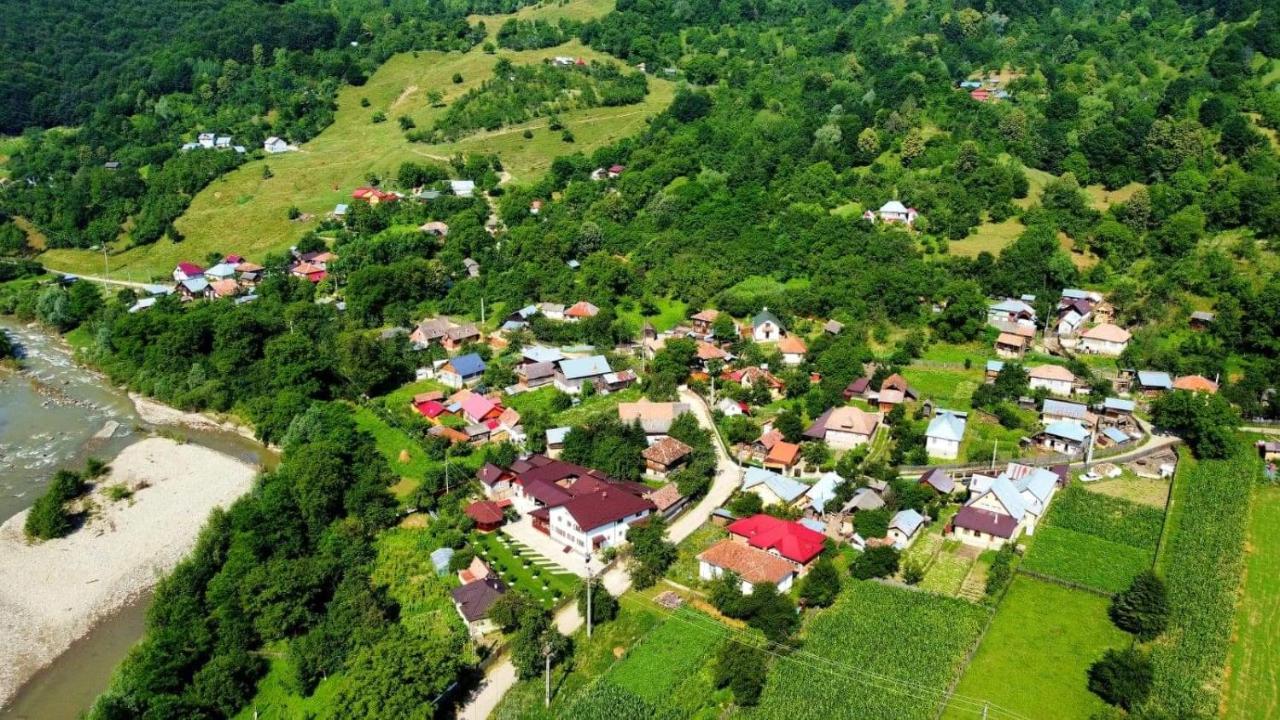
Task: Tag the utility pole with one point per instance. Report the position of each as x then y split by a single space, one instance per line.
588 556
994 447
546 654
984 710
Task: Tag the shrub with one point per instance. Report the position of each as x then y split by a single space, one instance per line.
741 668
379 117
48 517
821 586
1142 609
879 561
1001 571
1122 677
912 572
457 78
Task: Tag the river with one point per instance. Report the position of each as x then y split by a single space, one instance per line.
55 414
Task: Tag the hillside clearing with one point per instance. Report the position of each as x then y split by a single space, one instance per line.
246 213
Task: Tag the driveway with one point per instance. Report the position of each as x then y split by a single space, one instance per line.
523 531
501 676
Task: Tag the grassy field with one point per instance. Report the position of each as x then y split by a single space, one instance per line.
670 314
1034 656
1098 541
522 568
592 659
551 11
1253 675
672 654
856 653
396 446
1085 559
685 569
243 212
989 237
948 387
1144 491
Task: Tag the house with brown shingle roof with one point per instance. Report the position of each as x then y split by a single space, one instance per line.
1195 383
1104 339
703 321
1054 378
753 566
665 456
793 349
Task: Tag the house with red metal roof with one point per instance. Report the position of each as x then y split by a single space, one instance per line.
187 271
789 540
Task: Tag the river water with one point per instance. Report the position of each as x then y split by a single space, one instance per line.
53 415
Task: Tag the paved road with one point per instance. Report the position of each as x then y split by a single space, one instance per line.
501 675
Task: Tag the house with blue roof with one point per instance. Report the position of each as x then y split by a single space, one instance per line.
773 489
944 434
904 527
1154 382
1115 437
823 493
1003 507
1068 437
461 371
572 373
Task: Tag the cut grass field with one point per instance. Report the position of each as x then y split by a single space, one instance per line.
551 11
1144 491
1253 675
243 212
391 443
1034 657
989 237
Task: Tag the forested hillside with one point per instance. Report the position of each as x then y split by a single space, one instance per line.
137 79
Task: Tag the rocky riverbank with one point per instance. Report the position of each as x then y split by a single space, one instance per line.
52 593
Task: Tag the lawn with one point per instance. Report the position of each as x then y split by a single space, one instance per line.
947 387
1152 492
1033 659
982 434
597 405
670 314
685 569
977 354
879 652
275 699
1253 674
523 568
245 213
